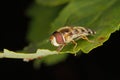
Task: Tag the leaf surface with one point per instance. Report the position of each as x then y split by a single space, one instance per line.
102 16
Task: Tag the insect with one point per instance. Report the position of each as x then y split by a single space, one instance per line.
67 34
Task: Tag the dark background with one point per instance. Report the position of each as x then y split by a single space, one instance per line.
101 63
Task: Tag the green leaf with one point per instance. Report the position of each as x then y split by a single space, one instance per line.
52 2
103 16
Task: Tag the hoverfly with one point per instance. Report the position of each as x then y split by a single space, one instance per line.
67 34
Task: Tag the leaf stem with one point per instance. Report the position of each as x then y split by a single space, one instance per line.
27 56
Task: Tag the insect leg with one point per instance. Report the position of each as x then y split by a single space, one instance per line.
77 38
60 47
74 44
85 38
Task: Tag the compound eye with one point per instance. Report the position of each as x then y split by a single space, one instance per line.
59 38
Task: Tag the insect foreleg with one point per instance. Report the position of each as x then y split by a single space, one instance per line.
60 47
